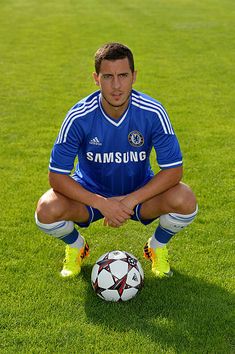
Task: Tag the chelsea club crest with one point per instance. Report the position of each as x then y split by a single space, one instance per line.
135 138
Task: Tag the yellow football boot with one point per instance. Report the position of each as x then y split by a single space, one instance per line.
73 260
159 259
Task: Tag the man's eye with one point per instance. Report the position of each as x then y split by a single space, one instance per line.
107 76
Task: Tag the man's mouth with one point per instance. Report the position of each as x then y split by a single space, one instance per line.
118 99
116 95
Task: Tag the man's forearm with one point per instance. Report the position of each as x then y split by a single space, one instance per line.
66 186
160 183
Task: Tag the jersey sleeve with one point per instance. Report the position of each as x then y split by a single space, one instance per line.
65 148
165 141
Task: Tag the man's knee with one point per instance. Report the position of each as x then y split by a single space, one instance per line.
53 207
48 210
185 199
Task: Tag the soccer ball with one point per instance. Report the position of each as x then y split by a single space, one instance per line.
117 276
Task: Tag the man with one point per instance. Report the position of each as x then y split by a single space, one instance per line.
112 131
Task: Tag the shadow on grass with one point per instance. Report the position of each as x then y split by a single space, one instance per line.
182 312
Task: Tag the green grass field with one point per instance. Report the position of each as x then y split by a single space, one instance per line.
184 52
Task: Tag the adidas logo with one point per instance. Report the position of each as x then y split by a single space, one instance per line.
95 141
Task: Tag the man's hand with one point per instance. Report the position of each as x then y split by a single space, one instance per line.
115 212
129 201
127 204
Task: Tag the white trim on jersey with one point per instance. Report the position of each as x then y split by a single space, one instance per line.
58 169
74 114
171 164
155 107
77 116
109 119
155 111
151 103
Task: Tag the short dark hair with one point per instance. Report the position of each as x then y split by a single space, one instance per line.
113 51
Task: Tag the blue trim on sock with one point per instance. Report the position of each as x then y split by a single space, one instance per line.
53 228
70 238
182 218
163 235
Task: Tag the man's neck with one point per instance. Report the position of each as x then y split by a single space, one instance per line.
114 112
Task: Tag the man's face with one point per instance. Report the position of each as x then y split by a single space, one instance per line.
115 80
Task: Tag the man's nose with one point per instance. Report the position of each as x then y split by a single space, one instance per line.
116 82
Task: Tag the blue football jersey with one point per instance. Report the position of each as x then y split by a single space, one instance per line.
113 155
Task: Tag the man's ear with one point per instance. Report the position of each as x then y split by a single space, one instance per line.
134 77
96 78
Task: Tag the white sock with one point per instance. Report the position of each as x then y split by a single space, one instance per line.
169 225
64 231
